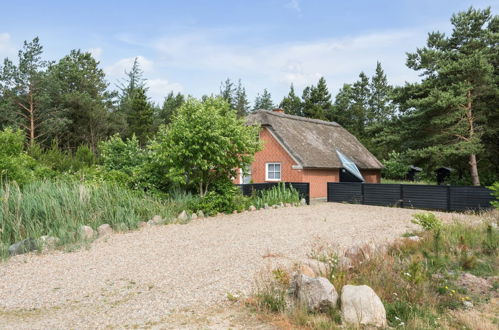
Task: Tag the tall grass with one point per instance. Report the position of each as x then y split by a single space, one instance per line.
275 195
59 208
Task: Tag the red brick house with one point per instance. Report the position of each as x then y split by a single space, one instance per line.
298 149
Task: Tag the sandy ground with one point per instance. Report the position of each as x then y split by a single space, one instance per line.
178 276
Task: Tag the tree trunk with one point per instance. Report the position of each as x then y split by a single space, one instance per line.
474 170
31 118
471 124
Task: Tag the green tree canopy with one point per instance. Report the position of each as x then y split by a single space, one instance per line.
263 101
317 101
204 144
292 103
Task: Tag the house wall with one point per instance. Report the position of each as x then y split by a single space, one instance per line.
371 176
318 179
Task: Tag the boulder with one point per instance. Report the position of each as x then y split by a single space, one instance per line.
142 224
157 219
219 214
151 223
24 246
266 206
361 306
183 216
201 214
234 212
275 206
287 205
413 238
86 232
303 201
48 242
194 216
252 208
316 294
104 230
281 204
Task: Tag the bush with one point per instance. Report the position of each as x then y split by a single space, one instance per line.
275 195
495 193
427 220
396 166
225 198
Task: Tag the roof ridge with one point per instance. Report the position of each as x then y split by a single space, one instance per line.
299 118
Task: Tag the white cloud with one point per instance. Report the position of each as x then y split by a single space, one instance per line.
118 68
294 5
7 48
159 88
96 53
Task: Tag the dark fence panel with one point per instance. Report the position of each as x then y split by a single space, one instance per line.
425 196
386 194
448 198
350 192
466 198
303 188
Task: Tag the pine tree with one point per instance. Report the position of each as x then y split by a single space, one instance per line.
264 101
241 100
317 101
292 103
141 117
227 92
170 106
380 103
454 102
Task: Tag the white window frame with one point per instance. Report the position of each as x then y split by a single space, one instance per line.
267 171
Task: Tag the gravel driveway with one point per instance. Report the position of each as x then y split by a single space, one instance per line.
144 278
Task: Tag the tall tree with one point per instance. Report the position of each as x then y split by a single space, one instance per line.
141 117
227 92
317 101
241 100
381 107
459 85
80 91
134 80
263 101
292 103
170 106
22 89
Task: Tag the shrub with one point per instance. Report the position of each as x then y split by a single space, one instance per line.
427 220
495 193
225 198
396 166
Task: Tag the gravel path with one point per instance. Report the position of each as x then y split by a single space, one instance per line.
143 278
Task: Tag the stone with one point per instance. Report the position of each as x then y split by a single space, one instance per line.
361 306
252 208
151 223
266 206
414 238
142 224
474 283
316 294
306 270
219 214
86 232
157 219
303 201
104 230
48 242
275 206
24 246
201 214
183 216
194 216
234 212
281 204
287 205
467 304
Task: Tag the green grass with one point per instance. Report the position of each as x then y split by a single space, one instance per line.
59 208
275 195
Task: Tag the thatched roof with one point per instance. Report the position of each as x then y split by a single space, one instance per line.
313 143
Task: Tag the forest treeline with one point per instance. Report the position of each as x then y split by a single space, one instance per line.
449 118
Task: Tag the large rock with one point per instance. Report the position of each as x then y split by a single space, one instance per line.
86 232
360 306
24 246
307 270
194 216
157 219
104 230
316 294
252 208
201 214
266 206
183 216
303 201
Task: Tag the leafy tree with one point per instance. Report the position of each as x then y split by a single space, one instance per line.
121 155
292 103
170 106
141 116
22 90
204 145
263 101
317 101
241 100
454 102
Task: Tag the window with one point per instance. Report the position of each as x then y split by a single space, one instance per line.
273 171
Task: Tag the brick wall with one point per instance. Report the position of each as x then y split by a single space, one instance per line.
371 176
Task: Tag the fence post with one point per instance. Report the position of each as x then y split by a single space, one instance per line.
448 198
362 193
402 195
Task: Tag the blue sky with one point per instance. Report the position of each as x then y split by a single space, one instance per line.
191 46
